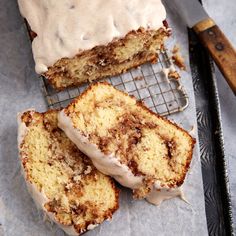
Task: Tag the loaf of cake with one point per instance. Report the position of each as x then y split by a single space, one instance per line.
79 41
124 139
61 179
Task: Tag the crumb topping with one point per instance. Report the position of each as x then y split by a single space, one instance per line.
177 58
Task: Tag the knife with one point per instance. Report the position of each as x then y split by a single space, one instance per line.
221 50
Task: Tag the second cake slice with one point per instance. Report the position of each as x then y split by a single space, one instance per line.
125 140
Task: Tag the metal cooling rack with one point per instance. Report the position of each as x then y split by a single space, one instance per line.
147 83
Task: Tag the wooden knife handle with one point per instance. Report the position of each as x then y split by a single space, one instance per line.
220 49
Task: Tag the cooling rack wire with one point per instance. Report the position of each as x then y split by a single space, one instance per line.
148 83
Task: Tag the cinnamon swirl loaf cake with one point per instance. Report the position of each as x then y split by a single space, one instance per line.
125 140
61 179
76 41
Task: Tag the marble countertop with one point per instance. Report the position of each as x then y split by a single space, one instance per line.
223 12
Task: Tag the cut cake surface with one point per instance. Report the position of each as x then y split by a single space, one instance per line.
61 179
136 48
124 139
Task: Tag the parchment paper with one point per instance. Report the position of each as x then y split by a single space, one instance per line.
19 90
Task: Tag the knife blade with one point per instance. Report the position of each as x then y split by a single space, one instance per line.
191 11
220 48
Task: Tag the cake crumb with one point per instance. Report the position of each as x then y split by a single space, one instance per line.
170 73
179 61
174 75
175 49
138 78
77 178
177 58
88 170
69 186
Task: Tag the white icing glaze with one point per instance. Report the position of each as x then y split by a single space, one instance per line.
39 197
92 226
65 27
166 71
110 165
158 194
192 131
107 164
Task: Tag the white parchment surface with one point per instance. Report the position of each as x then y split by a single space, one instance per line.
19 89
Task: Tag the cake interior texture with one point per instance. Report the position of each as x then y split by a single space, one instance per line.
150 145
136 48
78 194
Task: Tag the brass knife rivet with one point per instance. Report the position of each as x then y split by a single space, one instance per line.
211 33
219 46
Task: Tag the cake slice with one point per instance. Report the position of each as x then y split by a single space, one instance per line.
61 179
140 149
76 41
